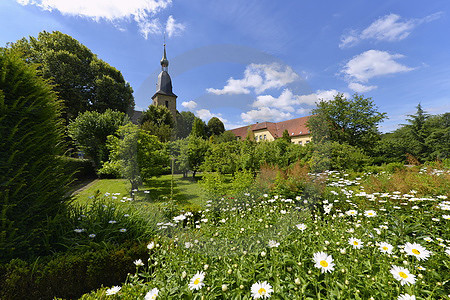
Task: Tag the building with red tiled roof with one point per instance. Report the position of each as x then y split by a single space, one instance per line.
269 131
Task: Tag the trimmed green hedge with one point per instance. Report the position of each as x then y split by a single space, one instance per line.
69 275
81 169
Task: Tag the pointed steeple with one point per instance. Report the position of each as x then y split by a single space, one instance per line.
164 84
164 60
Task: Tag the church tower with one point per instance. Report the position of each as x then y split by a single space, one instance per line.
164 95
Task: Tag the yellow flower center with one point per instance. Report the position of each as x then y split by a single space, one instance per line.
403 275
197 281
370 214
323 263
415 251
355 243
262 291
385 248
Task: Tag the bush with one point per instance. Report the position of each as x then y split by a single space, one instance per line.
214 184
33 181
81 169
336 156
69 275
110 169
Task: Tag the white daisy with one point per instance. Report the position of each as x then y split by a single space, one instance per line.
151 295
151 245
406 297
261 290
138 262
197 281
114 290
386 247
417 250
356 243
273 244
370 213
351 212
301 226
323 261
403 275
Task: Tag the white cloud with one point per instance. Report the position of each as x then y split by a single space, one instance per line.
323 95
387 28
360 88
141 11
147 27
189 104
206 115
373 63
259 77
174 28
304 111
284 102
264 114
287 100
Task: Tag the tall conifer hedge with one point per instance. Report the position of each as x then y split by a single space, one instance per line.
33 187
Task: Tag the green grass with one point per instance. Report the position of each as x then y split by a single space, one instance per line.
187 193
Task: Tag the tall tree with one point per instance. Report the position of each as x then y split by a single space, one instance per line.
91 129
351 121
438 139
417 133
158 121
82 80
215 126
185 120
199 128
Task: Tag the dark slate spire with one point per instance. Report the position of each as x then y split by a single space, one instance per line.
164 85
164 61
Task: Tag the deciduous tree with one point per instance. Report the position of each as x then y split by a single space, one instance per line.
82 80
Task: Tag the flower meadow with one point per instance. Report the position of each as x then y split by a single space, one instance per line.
346 244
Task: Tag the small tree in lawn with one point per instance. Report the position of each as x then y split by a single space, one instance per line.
139 154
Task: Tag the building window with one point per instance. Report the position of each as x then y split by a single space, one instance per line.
300 142
167 104
307 142
265 137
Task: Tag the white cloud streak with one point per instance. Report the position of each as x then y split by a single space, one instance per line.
174 28
269 108
143 12
373 63
264 114
387 28
189 104
206 115
360 88
259 77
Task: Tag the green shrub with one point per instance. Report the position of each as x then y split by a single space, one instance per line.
32 177
394 167
81 168
110 169
214 184
242 181
336 156
71 274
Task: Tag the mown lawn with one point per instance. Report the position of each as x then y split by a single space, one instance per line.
187 193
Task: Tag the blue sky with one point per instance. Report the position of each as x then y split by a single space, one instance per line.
250 61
